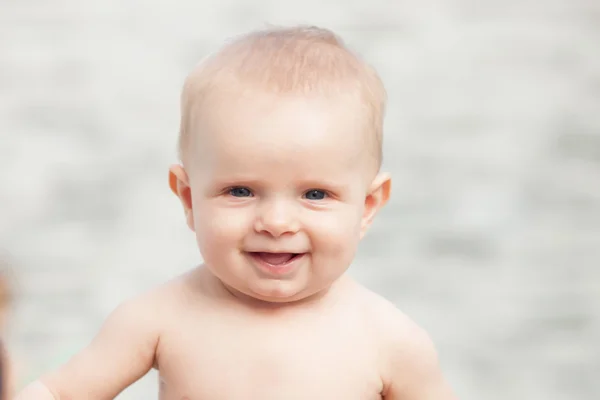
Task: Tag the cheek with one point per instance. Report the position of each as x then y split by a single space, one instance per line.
338 232
216 226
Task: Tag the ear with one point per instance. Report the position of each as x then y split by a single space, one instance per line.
377 197
179 184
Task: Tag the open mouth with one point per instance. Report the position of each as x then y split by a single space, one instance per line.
275 259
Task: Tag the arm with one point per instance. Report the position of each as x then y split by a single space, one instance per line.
414 372
37 391
121 353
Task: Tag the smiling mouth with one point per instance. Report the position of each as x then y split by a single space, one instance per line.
275 259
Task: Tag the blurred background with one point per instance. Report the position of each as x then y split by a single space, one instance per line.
491 240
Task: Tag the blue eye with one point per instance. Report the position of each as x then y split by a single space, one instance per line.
315 194
240 192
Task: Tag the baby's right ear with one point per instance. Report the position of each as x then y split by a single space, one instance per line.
179 184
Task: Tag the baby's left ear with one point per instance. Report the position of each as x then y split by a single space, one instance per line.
378 196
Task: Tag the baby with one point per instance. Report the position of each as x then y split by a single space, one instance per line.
280 146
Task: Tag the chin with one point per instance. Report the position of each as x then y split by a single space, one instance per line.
277 294
283 293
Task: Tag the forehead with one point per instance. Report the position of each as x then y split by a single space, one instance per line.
262 131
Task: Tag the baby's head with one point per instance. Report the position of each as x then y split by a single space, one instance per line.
280 143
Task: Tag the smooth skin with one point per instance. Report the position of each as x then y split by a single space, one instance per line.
266 175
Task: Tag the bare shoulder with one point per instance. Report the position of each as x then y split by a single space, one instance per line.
172 291
123 350
148 307
392 327
409 365
144 316
160 308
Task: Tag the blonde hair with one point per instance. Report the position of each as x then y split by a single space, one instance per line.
294 60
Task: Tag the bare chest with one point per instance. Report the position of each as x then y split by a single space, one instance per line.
287 362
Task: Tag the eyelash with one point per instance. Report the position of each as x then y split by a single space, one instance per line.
233 188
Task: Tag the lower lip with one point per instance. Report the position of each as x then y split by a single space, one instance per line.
279 269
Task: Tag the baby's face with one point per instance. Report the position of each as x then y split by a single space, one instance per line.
281 193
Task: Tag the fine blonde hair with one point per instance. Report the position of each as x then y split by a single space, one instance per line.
301 60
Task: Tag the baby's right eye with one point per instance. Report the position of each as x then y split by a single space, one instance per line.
240 191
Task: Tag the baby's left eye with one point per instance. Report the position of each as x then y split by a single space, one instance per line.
315 194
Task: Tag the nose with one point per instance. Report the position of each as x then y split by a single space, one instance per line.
276 217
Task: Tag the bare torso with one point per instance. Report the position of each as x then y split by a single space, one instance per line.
217 348
208 344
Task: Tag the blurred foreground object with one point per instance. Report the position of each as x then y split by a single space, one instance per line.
5 301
